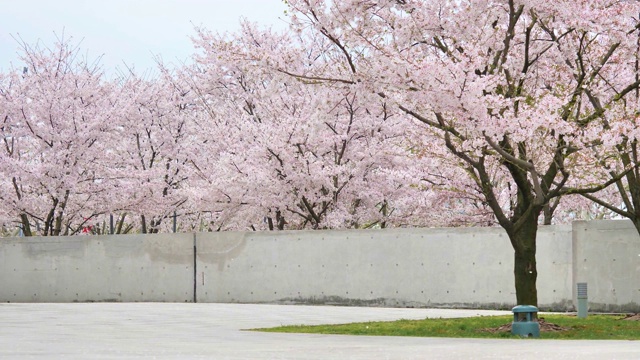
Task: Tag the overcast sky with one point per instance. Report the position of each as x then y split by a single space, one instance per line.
132 31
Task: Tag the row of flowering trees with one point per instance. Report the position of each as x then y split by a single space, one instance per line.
341 122
221 144
364 113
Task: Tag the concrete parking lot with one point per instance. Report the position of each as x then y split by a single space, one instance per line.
216 331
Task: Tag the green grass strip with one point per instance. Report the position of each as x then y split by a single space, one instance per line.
594 327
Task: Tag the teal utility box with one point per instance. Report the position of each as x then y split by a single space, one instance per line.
525 321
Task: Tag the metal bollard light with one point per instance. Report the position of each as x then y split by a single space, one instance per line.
583 303
525 321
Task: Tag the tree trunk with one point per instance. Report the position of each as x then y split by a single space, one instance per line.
280 220
548 215
143 222
26 227
57 230
120 222
154 228
525 277
525 270
636 223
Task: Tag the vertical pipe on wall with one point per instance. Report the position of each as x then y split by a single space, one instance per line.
195 269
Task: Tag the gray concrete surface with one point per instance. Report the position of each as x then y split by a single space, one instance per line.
455 267
125 268
448 267
606 255
214 331
408 267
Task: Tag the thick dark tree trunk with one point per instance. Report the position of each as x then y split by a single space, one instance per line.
525 277
525 270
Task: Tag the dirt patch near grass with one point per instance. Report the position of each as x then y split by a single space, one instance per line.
544 327
632 317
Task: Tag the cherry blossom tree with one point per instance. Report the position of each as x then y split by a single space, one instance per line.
623 199
320 157
227 144
155 149
56 127
518 88
324 157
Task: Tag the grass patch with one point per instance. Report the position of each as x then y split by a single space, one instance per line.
602 327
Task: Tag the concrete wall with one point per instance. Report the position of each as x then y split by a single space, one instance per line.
607 258
461 267
97 268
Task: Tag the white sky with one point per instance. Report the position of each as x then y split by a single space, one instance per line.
132 31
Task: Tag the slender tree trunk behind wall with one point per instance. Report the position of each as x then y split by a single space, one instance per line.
636 223
143 222
26 227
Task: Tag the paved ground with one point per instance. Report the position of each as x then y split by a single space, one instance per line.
214 331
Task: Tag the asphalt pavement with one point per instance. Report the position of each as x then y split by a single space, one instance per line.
217 331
